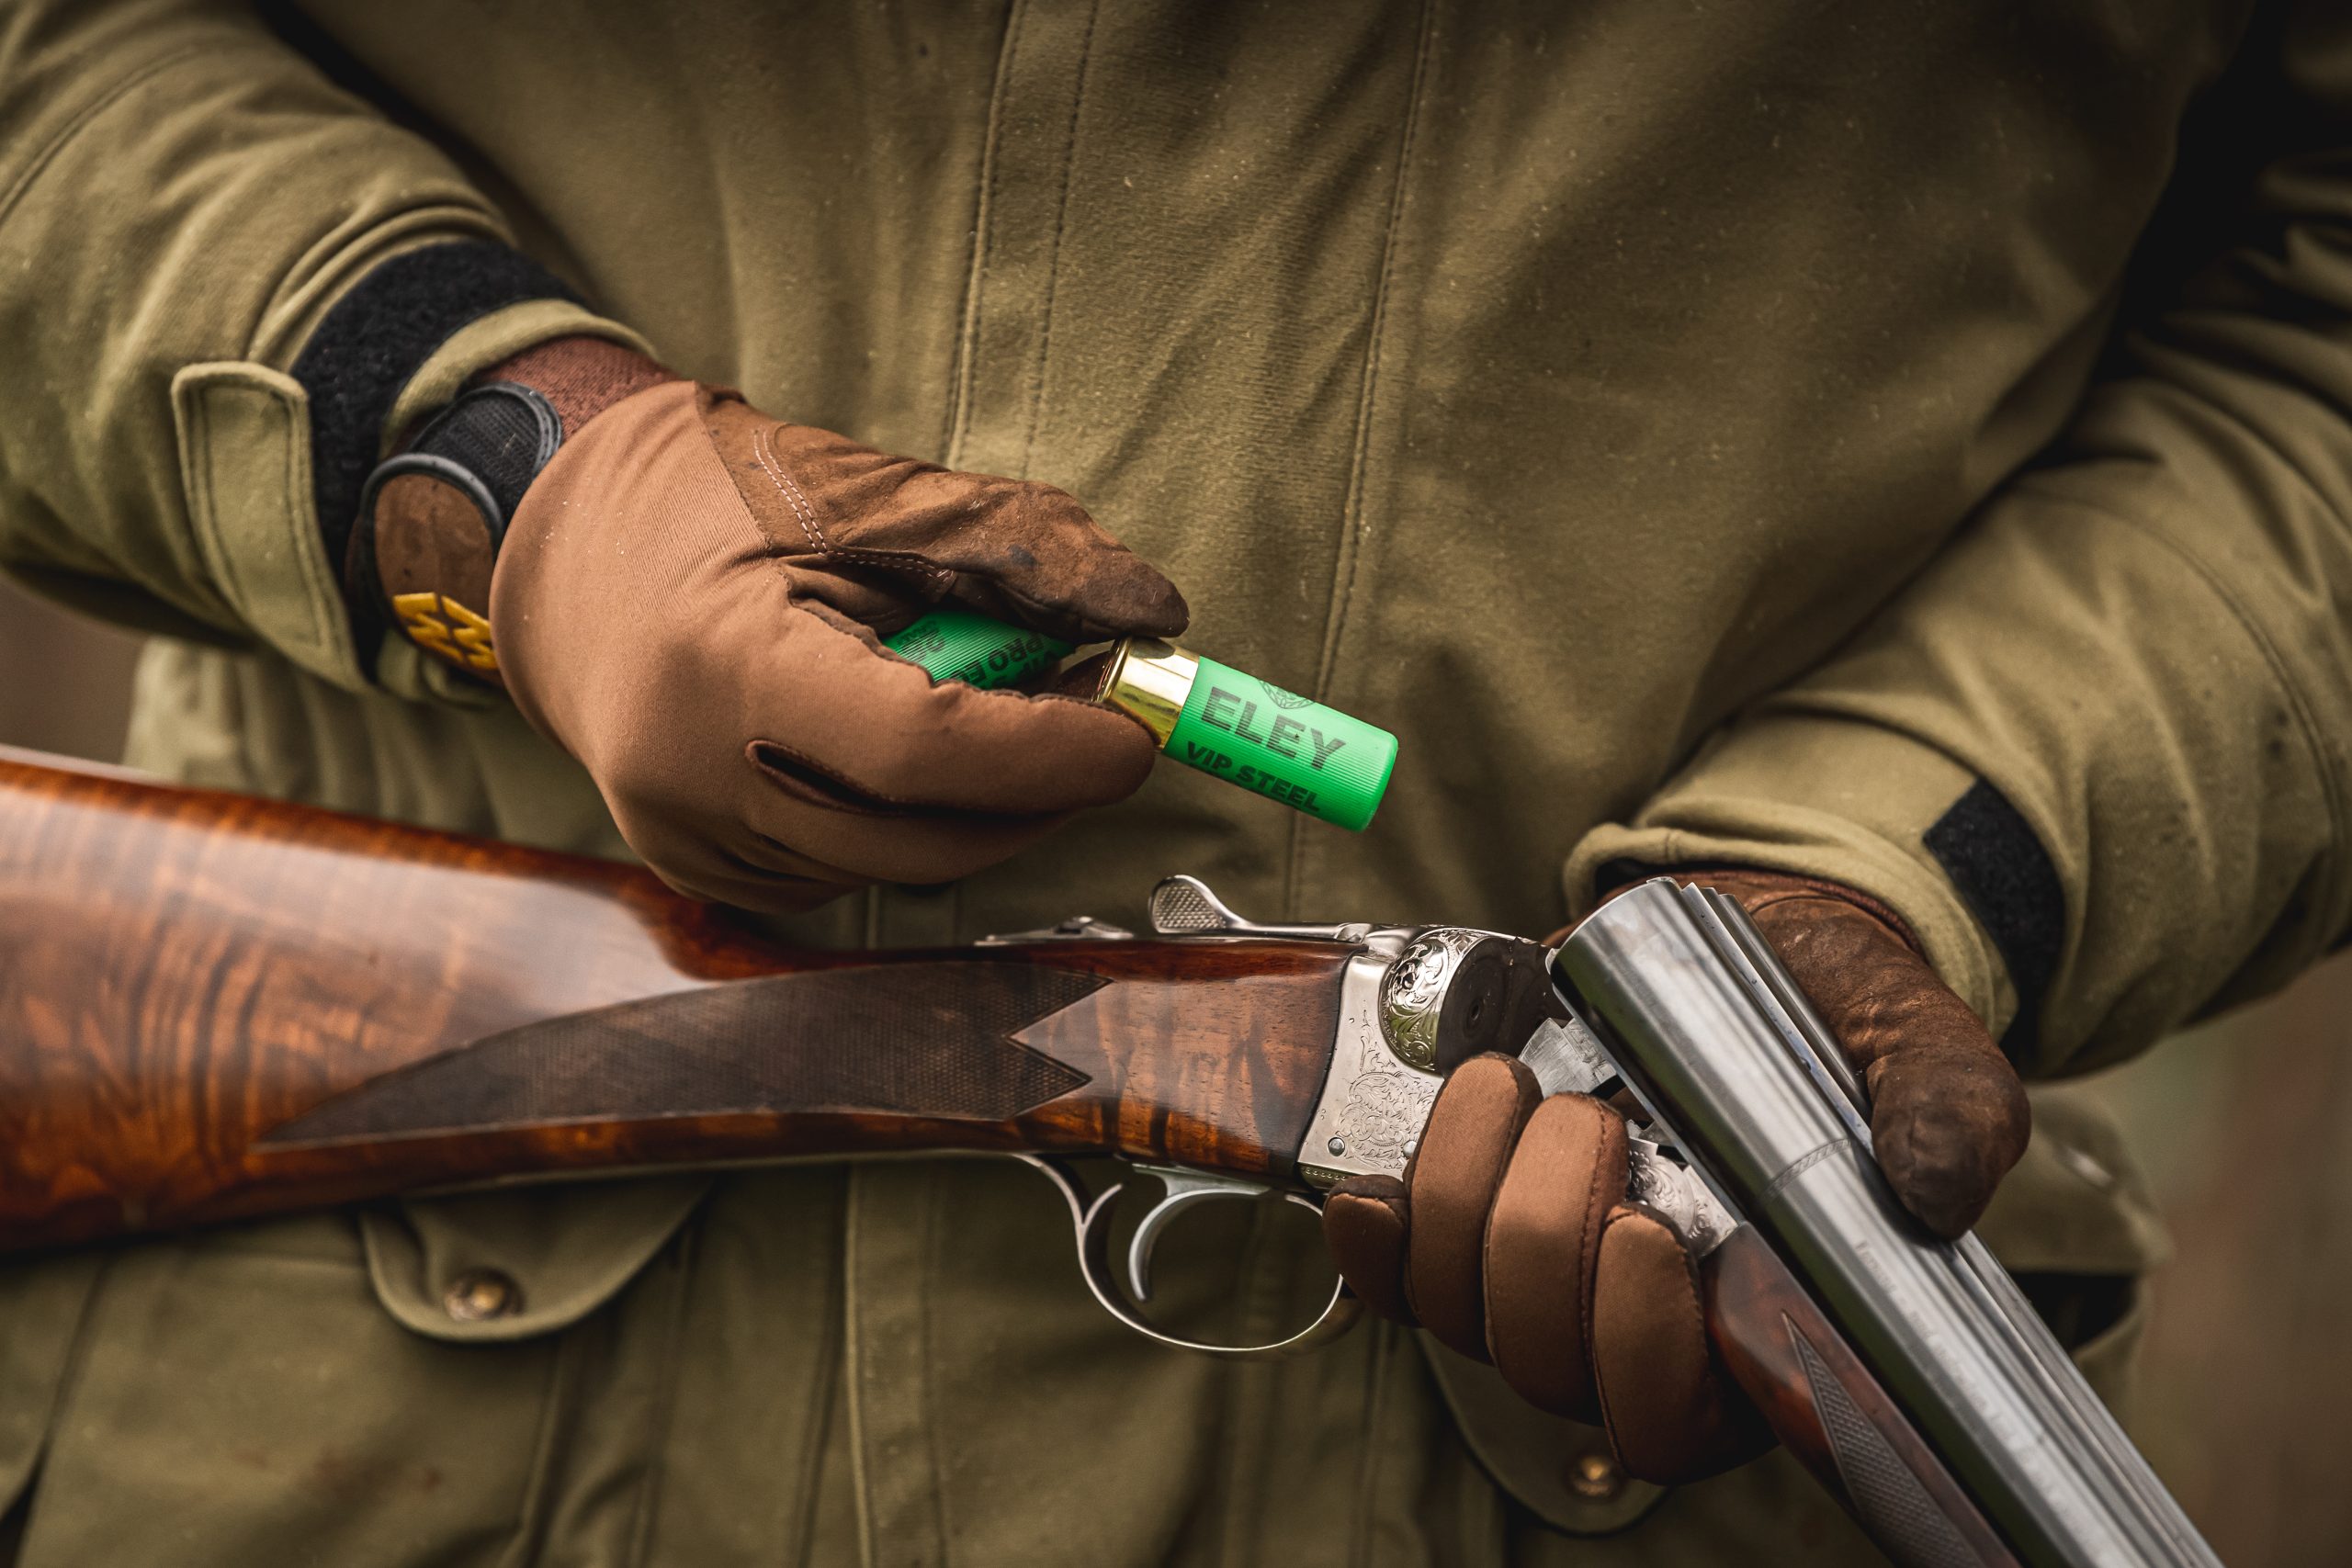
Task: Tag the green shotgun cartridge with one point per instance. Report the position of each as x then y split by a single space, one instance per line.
1205 714
1250 732
958 645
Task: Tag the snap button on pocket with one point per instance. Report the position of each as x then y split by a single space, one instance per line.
555 1253
478 1294
1595 1476
1560 1471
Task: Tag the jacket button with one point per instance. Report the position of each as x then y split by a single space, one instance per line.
1596 1477
480 1294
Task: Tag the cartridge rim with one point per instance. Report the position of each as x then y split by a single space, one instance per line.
1149 681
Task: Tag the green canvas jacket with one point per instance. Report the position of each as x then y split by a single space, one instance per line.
1703 435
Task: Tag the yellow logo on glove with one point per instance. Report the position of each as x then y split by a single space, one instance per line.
439 625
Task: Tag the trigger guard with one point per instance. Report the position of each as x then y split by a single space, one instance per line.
1181 1190
1089 1217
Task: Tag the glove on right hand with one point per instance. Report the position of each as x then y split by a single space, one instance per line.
1511 1238
689 600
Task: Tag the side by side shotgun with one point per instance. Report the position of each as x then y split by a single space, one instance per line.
215 1008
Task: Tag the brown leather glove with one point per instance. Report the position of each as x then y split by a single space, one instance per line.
689 598
1510 1238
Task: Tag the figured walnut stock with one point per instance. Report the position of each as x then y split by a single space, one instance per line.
1834 1416
214 1007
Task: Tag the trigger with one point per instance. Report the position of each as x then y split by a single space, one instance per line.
1182 1189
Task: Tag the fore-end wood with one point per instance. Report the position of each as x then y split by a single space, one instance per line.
1835 1415
207 1000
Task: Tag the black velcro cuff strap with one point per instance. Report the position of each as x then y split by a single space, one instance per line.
487 447
375 338
1990 853
502 434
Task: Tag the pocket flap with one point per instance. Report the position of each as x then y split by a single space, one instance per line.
1558 1469
485 1266
244 437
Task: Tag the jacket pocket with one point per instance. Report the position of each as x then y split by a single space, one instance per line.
42 1308
244 441
256 1394
1559 1471
492 1266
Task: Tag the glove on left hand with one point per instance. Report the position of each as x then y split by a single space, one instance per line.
1512 1240
689 596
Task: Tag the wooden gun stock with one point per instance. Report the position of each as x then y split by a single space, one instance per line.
1833 1415
215 1006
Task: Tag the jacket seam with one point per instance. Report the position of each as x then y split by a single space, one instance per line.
834 1384
534 1510
294 437
81 121
200 503
984 218
1367 399
647 1508
1385 1344
2306 724
855 1199
926 1296
69 1384
1351 525
1061 228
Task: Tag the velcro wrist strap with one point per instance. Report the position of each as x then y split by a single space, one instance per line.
430 520
580 377
373 341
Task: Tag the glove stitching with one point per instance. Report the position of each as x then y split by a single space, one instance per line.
797 500
1696 1322
1595 1221
1592 1357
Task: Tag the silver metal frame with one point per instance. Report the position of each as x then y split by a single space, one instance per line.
1756 1116
1186 907
1717 1042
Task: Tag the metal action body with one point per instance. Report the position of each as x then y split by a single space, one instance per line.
1754 1119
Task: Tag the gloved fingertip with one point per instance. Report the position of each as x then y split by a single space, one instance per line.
1946 1127
1366 1224
1464 1147
1670 1414
1124 752
1947 1199
1125 595
1565 1178
1166 615
1492 1069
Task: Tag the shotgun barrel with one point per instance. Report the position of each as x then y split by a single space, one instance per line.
1714 1037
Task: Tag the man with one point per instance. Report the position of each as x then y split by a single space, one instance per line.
1689 431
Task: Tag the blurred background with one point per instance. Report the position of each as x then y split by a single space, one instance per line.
64 679
2245 1397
